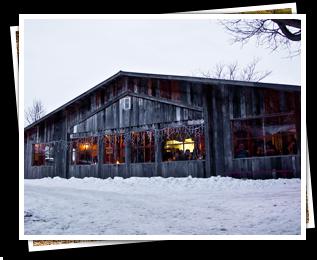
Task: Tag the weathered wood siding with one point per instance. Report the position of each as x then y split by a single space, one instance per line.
231 102
168 169
183 169
48 131
157 103
82 171
264 167
142 112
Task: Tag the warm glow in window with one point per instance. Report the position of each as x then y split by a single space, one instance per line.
180 145
114 149
84 151
188 144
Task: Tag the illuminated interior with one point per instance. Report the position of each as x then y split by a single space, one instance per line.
84 152
83 147
188 144
114 149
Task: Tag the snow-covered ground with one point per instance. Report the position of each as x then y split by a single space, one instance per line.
158 206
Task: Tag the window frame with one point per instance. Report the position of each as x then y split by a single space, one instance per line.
135 148
263 136
91 141
43 153
197 142
115 147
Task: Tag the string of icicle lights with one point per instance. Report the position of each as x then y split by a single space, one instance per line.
132 137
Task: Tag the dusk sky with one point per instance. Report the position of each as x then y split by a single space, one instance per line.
64 58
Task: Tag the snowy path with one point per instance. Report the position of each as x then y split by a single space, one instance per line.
156 206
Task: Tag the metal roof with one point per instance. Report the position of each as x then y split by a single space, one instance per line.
200 80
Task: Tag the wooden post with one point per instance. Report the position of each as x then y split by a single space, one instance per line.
100 155
207 112
158 152
37 134
226 129
128 156
128 145
67 153
65 150
298 121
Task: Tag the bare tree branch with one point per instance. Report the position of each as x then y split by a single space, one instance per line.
232 71
296 36
270 33
219 70
34 112
289 22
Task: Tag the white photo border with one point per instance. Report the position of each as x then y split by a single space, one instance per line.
23 17
13 31
33 248
247 9
311 218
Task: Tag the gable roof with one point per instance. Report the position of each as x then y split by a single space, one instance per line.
200 80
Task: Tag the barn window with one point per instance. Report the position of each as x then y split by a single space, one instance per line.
175 90
143 148
114 149
154 88
151 87
143 88
271 101
265 136
181 144
84 151
290 101
248 137
100 98
165 89
119 86
43 154
280 135
133 85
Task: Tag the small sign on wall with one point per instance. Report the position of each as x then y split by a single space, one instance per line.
127 103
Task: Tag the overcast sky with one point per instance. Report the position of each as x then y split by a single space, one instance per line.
64 58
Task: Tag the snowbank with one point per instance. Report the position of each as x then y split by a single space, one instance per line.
156 206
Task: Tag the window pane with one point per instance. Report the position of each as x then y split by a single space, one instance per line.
248 138
181 144
165 89
258 147
142 149
271 101
280 135
109 149
175 90
49 154
114 149
38 155
118 149
241 148
43 154
84 151
267 136
248 128
290 101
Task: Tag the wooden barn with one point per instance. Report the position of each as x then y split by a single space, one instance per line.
137 124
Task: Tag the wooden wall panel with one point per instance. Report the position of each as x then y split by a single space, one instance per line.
224 102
